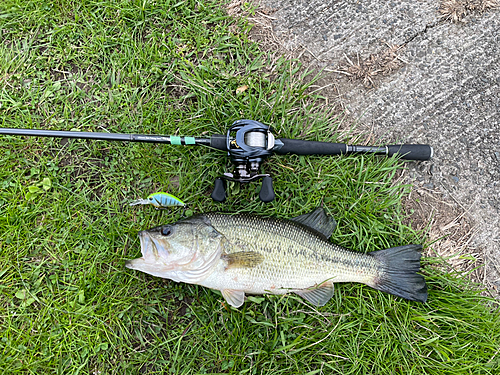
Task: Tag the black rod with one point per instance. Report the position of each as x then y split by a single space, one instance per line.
168 139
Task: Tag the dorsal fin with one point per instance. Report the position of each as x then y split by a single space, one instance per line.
319 221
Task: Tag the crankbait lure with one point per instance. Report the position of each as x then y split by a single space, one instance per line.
160 200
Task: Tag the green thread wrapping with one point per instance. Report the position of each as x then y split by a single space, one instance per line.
189 141
174 140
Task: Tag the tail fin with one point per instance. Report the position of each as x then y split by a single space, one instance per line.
398 275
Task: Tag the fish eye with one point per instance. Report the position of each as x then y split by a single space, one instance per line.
166 230
150 198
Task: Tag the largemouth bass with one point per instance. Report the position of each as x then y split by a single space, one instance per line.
245 253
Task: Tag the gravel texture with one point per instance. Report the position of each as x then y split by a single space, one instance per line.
443 89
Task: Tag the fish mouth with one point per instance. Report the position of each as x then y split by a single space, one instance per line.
147 246
153 252
152 248
149 251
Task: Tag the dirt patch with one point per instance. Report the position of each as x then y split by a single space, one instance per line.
262 31
449 232
376 65
457 10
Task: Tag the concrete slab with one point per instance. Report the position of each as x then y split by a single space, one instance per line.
445 93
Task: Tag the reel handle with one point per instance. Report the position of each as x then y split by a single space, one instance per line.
266 193
219 193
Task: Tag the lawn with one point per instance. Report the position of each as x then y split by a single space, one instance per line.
67 303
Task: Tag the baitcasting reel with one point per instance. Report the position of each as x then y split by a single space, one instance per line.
248 143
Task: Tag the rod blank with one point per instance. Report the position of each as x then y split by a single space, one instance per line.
172 140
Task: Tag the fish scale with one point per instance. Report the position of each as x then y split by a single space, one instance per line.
295 256
242 254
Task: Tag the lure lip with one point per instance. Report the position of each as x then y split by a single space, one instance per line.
139 201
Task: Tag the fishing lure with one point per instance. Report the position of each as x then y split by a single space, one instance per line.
160 200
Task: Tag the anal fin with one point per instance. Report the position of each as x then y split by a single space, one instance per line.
318 296
234 297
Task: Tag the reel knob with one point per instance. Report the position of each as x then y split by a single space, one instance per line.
219 193
266 191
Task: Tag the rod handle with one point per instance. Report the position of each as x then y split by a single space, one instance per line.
301 147
411 151
218 141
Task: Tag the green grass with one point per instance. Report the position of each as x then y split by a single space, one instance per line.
67 303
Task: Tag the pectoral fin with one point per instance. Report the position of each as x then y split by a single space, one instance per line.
317 296
243 259
234 297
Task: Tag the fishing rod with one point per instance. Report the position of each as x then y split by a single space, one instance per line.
248 144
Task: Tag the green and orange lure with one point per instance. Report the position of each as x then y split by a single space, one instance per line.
160 200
